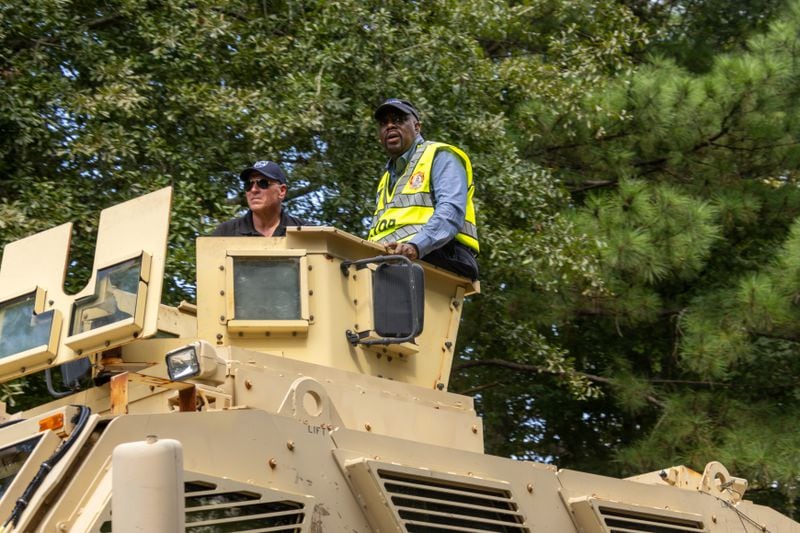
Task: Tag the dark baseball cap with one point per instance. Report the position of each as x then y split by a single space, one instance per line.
268 169
395 103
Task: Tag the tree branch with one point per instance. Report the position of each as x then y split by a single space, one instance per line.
589 185
480 388
26 44
539 370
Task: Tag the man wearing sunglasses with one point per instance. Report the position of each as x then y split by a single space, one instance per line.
424 207
265 188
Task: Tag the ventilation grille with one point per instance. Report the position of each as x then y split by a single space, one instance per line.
622 521
438 506
212 509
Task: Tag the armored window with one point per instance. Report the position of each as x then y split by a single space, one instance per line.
29 335
267 292
114 312
266 288
12 458
20 462
22 328
114 297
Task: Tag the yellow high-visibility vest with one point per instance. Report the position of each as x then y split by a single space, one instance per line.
401 212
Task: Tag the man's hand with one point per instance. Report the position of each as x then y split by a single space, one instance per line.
402 248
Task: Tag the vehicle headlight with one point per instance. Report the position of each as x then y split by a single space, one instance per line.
196 360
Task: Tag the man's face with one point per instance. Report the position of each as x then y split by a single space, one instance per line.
264 201
397 132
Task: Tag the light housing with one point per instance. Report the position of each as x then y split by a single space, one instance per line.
196 360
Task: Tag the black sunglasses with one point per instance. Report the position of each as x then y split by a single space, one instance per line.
263 183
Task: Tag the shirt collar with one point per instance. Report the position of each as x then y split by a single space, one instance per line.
401 162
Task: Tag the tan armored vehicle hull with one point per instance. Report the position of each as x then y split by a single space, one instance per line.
290 398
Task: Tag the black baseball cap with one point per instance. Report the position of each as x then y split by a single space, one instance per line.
395 103
268 169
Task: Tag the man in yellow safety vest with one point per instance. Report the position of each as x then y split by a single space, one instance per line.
424 207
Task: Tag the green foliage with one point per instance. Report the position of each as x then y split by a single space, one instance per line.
638 218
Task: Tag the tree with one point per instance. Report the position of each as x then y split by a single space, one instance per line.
105 101
635 218
694 32
689 183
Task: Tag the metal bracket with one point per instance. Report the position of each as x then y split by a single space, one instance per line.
353 337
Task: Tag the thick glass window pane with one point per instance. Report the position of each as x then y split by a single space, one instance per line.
114 297
11 460
20 329
266 288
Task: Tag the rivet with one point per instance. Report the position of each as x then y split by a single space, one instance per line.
368 427
248 384
272 463
530 487
222 293
440 386
474 428
290 445
449 344
222 318
107 343
311 318
311 293
50 302
222 267
355 302
219 336
310 267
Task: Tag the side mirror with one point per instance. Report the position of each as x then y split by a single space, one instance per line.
397 296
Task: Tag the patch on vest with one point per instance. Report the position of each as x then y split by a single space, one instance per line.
416 181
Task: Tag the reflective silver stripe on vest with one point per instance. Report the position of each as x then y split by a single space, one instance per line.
401 233
405 200
469 229
414 200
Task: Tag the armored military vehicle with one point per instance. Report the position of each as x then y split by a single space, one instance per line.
305 391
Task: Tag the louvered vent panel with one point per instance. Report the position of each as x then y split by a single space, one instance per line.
214 509
623 521
439 506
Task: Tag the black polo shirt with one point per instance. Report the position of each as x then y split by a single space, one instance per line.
243 226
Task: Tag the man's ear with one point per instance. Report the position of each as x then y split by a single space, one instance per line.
417 126
282 188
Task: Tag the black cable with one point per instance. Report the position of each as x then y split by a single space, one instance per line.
47 466
48 378
12 422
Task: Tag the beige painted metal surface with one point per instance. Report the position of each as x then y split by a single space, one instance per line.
287 425
137 228
147 484
332 304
